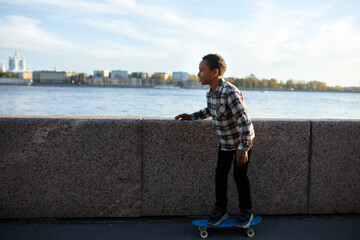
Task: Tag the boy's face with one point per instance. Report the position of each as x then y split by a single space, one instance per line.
206 75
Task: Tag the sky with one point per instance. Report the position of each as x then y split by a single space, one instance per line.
303 40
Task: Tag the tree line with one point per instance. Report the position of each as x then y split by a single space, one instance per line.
252 81
7 75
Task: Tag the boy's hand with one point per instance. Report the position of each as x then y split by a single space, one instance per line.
241 157
183 117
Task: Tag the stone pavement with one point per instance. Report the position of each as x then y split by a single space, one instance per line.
272 227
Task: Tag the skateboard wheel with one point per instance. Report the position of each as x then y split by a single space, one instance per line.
202 228
204 234
249 232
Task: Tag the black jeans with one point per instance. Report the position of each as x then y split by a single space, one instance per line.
225 160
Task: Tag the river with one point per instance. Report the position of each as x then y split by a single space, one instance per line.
151 102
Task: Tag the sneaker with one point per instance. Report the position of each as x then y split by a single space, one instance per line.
244 219
218 215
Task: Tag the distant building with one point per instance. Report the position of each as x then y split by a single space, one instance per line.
100 74
180 76
119 74
77 78
25 75
17 63
141 75
52 77
162 75
15 81
2 66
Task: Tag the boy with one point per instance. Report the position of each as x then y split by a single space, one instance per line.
234 128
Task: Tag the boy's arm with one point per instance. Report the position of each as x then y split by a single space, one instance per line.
183 117
202 114
235 102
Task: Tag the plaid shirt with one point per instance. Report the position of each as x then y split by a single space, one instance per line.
230 116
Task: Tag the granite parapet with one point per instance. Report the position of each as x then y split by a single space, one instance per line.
279 166
335 167
89 167
180 161
179 164
70 167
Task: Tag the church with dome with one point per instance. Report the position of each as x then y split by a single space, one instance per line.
17 63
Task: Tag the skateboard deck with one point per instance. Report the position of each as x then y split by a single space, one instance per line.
230 222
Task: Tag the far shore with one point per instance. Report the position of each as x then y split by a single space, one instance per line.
170 87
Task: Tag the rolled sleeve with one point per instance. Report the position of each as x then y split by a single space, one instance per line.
202 114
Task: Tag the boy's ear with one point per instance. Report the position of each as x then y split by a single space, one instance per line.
216 72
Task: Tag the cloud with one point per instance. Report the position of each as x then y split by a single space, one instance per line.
25 33
128 29
273 40
90 7
337 38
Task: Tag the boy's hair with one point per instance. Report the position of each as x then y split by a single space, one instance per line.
216 61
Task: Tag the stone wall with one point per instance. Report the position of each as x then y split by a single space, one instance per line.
81 167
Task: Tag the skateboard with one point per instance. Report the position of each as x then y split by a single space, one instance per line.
230 222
